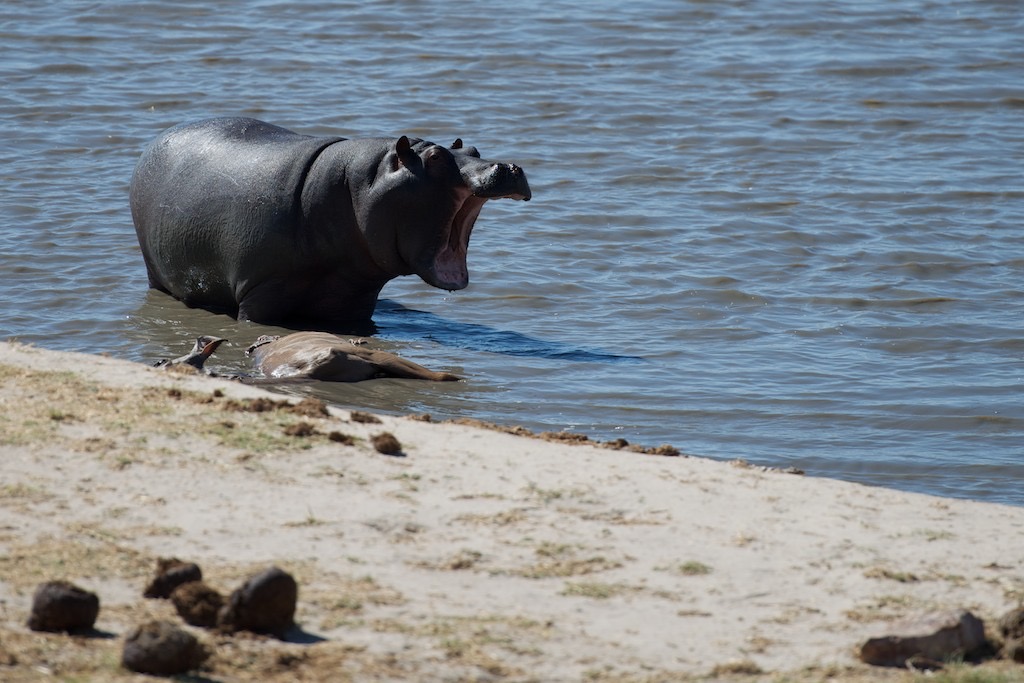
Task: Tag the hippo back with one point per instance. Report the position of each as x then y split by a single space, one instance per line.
207 196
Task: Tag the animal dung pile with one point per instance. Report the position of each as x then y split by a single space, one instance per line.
197 603
171 573
265 603
1011 628
386 443
160 648
60 606
930 640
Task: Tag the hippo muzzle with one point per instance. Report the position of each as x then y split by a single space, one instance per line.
498 181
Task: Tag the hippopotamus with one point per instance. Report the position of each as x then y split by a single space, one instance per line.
331 358
241 216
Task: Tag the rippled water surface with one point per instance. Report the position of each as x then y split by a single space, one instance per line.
789 232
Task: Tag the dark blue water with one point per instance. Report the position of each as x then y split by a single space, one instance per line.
788 232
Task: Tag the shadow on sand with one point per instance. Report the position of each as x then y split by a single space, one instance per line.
297 635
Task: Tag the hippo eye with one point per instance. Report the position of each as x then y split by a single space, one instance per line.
435 155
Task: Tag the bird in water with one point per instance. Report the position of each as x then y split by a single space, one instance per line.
196 358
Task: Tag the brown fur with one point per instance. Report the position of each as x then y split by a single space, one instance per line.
330 358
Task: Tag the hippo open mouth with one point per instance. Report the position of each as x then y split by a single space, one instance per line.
449 269
484 180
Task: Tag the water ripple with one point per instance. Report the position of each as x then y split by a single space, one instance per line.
757 231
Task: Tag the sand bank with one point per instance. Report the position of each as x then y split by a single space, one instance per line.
473 555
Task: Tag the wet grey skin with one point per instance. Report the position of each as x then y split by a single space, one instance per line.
239 216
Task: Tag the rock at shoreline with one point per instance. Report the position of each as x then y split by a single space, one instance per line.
932 638
160 648
171 573
197 603
60 606
265 603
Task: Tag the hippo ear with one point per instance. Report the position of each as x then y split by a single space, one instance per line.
402 151
471 151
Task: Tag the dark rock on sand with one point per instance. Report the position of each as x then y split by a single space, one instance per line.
171 573
197 603
265 603
162 649
60 606
935 637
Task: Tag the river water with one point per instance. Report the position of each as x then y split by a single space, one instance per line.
790 232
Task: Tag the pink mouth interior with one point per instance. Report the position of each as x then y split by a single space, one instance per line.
450 269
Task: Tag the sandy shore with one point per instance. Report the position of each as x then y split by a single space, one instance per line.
475 555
